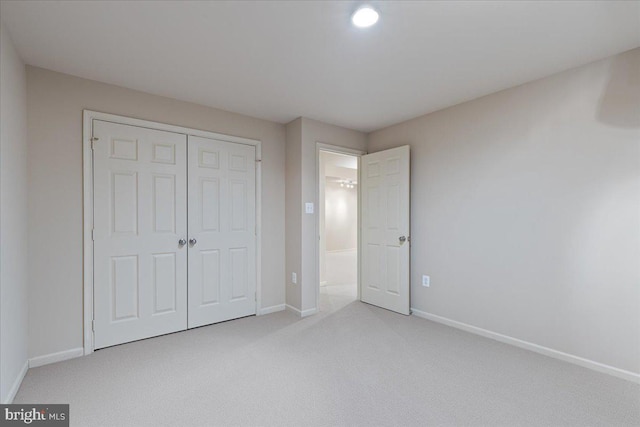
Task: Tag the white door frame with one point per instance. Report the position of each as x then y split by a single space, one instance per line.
87 184
321 146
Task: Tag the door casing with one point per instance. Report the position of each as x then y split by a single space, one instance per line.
87 184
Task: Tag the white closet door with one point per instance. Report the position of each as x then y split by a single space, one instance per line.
384 182
222 231
140 213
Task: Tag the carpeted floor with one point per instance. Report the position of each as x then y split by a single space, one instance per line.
352 364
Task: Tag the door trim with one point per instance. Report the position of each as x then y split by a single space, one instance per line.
321 146
87 187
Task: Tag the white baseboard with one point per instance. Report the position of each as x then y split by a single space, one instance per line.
16 384
293 310
556 354
272 309
47 359
337 251
302 313
308 312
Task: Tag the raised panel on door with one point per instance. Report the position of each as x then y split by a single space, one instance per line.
209 199
164 203
165 283
123 200
209 281
125 288
238 273
222 213
385 223
140 213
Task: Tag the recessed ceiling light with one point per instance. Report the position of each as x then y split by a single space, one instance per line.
364 17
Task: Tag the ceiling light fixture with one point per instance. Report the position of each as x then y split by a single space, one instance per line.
347 183
364 17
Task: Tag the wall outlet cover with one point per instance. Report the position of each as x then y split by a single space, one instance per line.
426 281
308 207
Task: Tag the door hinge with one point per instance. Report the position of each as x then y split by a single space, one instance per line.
93 234
255 296
93 142
93 325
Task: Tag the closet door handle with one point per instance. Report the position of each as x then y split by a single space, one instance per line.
182 242
192 242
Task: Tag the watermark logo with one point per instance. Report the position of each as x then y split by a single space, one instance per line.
34 415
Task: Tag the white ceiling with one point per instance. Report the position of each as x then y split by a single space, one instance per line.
279 60
339 160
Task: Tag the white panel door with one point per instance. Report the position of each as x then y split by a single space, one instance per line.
140 214
385 229
222 231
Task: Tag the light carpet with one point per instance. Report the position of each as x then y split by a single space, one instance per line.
352 364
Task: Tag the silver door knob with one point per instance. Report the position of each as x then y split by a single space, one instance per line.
403 239
182 242
192 242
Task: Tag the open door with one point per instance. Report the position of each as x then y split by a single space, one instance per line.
385 229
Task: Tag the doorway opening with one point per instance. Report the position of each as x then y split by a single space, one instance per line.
338 227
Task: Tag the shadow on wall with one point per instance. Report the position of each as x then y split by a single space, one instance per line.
620 103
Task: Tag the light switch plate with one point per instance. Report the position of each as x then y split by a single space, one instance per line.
308 207
426 281
294 278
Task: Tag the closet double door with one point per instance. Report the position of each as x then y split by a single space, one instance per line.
174 232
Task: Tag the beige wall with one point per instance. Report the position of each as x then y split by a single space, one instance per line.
13 217
341 213
302 137
526 211
342 269
55 103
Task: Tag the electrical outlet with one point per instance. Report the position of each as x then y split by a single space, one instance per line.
426 281
294 278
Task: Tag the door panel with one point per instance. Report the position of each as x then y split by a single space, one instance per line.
385 219
164 203
164 283
124 287
140 213
210 279
222 211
